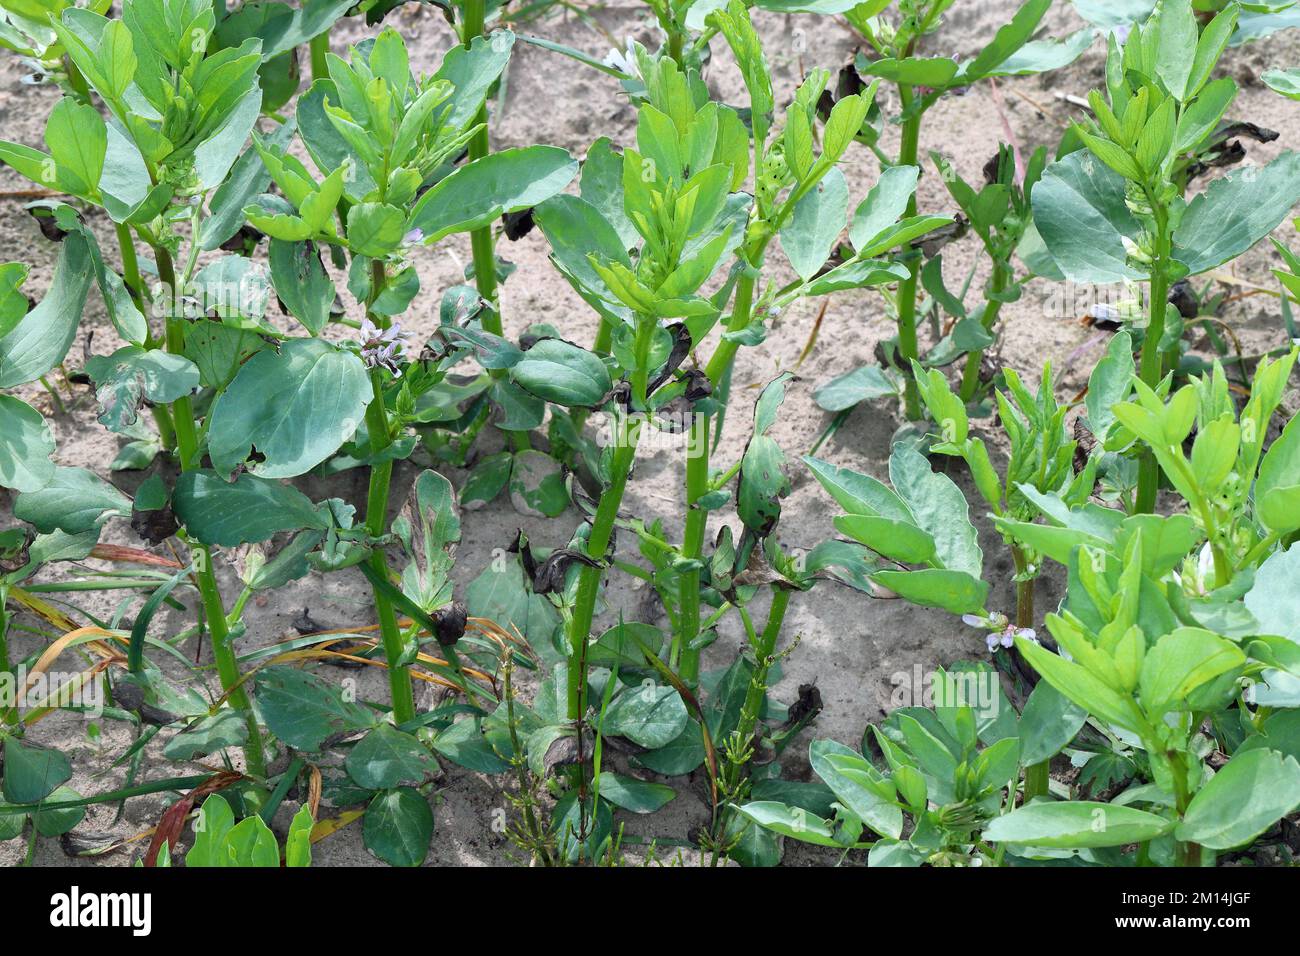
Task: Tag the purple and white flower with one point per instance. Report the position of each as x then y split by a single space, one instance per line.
384 348
1002 633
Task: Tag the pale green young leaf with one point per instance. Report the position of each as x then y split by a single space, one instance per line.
1202 115
817 221
1175 36
884 205
1277 490
1076 824
1248 795
1214 38
475 195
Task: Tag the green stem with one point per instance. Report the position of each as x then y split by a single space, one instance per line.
1151 369
741 314
675 44
1037 777
187 447
380 432
970 379
764 651
480 240
59 407
1185 853
907 342
130 264
485 268
135 287
602 528
683 657
10 715
764 648
320 46
604 340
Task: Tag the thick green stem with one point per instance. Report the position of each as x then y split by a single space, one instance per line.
135 287
381 474
485 267
764 652
1038 775
741 315
602 529
685 658
1185 853
187 447
480 240
10 714
675 44
320 46
130 264
970 379
1151 368
626 436
907 342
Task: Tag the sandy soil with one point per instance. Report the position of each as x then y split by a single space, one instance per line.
852 647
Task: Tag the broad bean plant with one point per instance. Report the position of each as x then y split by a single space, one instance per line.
269 334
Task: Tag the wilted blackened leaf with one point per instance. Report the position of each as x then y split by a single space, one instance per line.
521 547
936 239
549 576
1084 442
1259 134
377 12
305 625
128 696
49 225
516 225
156 716
807 707
681 348
562 752
1222 149
759 572
675 416
89 843
451 623
1183 298
848 82
244 240
131 696
698 385
154 526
